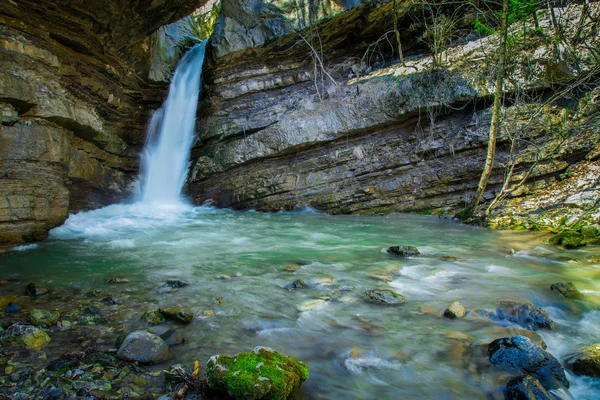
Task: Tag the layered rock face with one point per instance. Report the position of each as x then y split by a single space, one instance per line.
326 117
74 97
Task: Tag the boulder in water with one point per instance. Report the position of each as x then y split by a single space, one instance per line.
518 354
177 314
297 284
526 388
586 361
92 315
153 317
455 310
27 336
117 281
568 239
32 290
403 251
384 296
524 314
43 318
172 337
567 289
143 347
259 374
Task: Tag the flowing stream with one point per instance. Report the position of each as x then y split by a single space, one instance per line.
234 264
238 267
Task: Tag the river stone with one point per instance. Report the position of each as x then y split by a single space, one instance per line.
312 305
116 281
384 296
172 337
297 284
567 289
403 251
26 336
153 317
524 314
92 315
143 347
526 388
568 239
518 354
43 318
32 290
586 361
177 314
260 374
455 310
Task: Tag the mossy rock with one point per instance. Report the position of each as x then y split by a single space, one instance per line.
26 336
586 361
567 289
384 296
260 374
153 317
177 314
43 318
590 231
568 239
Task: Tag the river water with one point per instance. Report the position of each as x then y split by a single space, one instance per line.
234 264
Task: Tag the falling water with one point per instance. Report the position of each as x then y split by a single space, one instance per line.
171 133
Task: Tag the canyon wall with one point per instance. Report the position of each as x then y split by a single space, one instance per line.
74 101
327 117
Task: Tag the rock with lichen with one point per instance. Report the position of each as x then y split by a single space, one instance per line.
260 374
383 296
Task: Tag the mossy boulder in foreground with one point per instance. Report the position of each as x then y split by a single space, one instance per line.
260 374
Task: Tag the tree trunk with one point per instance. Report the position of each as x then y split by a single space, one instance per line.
495 124
397 32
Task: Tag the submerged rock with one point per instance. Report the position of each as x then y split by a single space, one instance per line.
260 374
586 361
297 284
32 290
92 315
526 388
143 347
27 336
312 305
526 315
455 310
177 314
153 317
403 251
568 239
116 281
291 268
567 289
43 318
172 337
175 284
518 354
450 258
384 296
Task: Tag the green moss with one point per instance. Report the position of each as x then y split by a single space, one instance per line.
261 374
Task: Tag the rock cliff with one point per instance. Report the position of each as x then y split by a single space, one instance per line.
327 117
74 100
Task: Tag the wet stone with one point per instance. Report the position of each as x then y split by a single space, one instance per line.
567 289
455 310
143 347
26 336
518 354
32 290
526 388
91 315
383 296
117 281
153 317
403 251
297 284
177 314
172 337
43 318
586 361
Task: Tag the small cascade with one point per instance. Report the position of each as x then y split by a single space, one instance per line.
170 134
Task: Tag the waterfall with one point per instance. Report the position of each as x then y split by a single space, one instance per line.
171 133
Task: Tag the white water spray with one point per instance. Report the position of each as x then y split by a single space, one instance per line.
171 134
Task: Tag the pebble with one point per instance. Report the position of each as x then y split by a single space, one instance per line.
14 377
